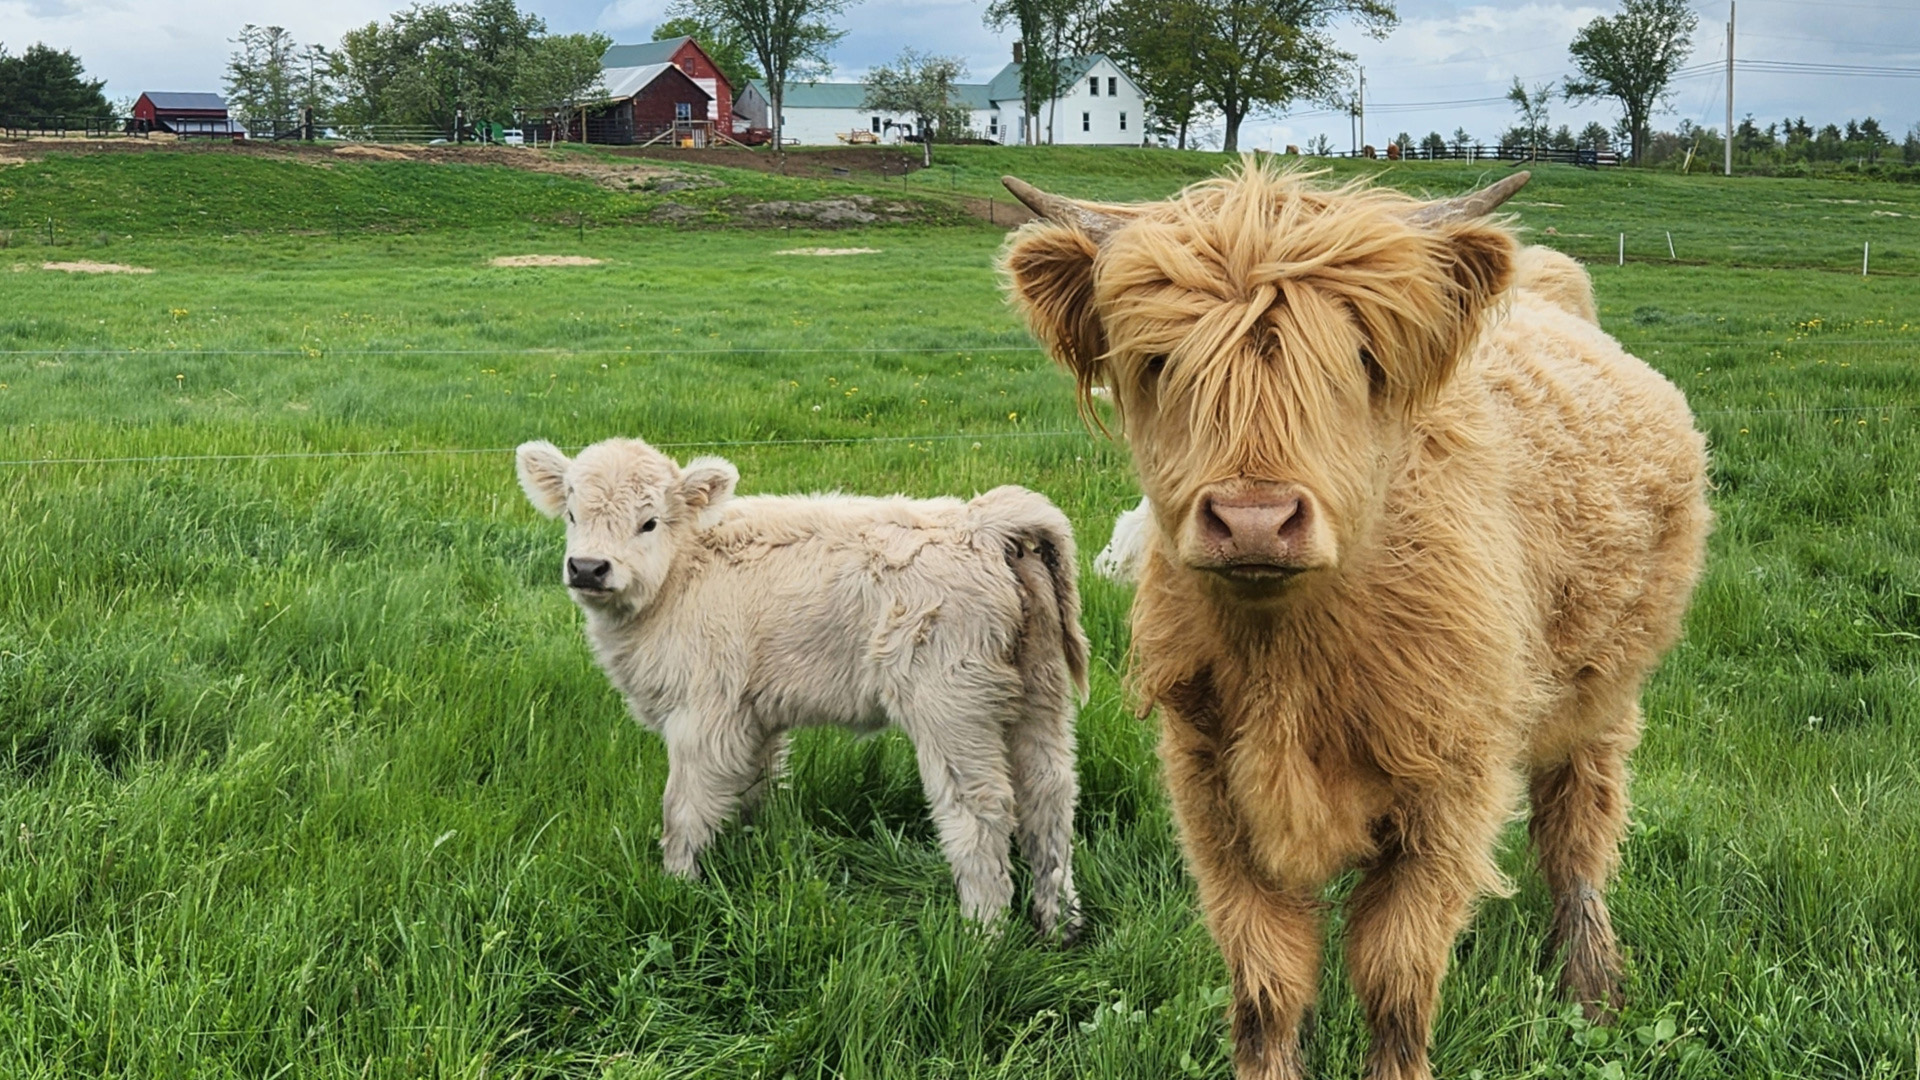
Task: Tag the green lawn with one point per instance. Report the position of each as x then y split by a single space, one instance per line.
305 769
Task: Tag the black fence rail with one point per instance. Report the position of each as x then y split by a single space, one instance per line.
60 127
1587 156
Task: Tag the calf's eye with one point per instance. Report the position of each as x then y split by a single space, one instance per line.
1156 364
1376 375
647 525
569 517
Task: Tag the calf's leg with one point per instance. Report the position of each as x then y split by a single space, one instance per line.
963 768
1040 753
712 759
1579 814
772 765
1268 933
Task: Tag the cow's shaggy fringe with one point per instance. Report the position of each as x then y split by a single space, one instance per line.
1514 513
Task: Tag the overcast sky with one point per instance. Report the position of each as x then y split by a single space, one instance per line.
1441 52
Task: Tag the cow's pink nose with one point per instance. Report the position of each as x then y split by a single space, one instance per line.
1268 527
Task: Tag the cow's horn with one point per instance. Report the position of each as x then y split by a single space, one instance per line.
1472 205
1095 224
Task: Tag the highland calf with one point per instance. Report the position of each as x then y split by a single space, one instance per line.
726 622
1419 532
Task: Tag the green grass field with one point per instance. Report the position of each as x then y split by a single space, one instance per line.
305 769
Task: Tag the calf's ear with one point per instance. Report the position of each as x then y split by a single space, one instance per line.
1481 267
543 476
707 482
1049 269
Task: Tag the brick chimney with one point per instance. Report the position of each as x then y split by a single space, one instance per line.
1019 52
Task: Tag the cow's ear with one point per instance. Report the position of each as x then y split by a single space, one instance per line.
707 482
543 476
1049 270
1481 267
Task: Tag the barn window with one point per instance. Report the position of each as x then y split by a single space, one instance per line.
687 65
876 125
682 110
1123 121
1093 86
1113 86
1086 121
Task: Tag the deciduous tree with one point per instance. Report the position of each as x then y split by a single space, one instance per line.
1252 55
263 74
1632 57
922 86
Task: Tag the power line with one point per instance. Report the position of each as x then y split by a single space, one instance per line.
1796 67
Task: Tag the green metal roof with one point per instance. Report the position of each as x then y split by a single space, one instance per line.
631 56
1006 85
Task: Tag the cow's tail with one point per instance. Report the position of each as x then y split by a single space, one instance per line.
1027 527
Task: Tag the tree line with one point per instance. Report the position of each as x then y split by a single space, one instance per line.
480 60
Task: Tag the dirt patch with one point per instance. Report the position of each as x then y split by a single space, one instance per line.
376 153
829 251
546 260
85 267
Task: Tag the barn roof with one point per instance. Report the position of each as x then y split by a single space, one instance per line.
841 95
628 81
644 55
169 99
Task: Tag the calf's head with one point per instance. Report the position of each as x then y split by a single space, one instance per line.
1265 342
628 509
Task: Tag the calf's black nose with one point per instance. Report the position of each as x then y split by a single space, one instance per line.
588 573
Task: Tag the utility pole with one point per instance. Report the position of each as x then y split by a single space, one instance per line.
1731 4
1360 102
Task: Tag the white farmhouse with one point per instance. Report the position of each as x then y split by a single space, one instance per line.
1098 106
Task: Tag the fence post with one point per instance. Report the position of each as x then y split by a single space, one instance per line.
1864 249
1623 249
1670 253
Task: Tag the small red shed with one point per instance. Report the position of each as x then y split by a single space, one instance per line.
647 104
687 55
186 114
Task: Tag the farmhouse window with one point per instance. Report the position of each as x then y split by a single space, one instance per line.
1093 86
1113 86
1123 121
682 111
876 125
1086 121
993 125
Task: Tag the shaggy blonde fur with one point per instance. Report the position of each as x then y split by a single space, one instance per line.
726 622
1512 518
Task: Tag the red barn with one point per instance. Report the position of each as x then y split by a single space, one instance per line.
186 114
657 102
687 55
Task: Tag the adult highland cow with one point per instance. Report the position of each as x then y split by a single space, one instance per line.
1420 532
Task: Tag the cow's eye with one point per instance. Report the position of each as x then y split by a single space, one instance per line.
647 526
1156 364
569 517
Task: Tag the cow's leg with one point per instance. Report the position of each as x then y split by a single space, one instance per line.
963 767
1579 814
712 758
1269 934
1040 754
1401 923
772 765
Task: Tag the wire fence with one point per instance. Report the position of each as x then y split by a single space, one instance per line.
1885 410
